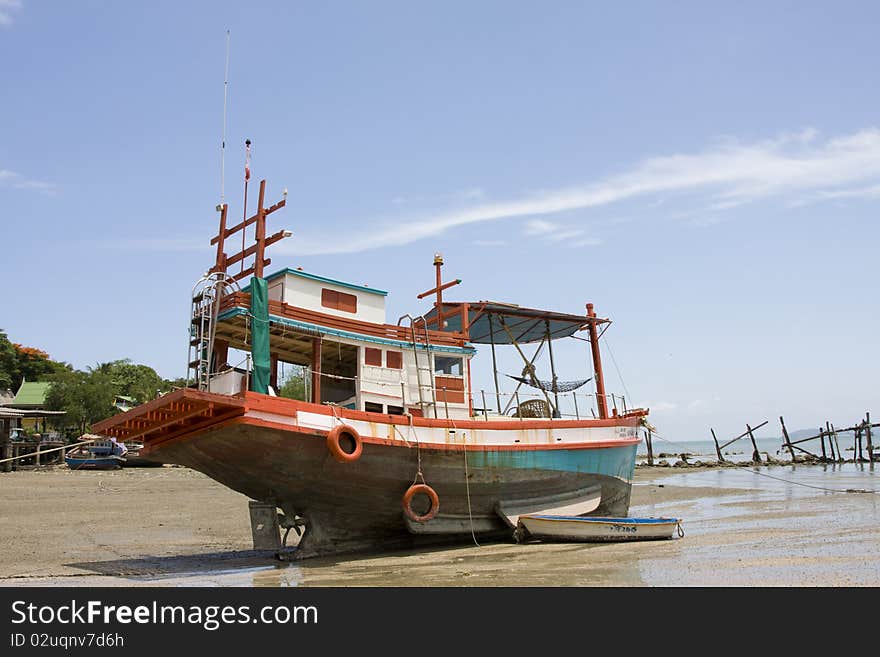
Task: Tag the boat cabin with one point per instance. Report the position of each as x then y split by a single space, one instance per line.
338 331
353 357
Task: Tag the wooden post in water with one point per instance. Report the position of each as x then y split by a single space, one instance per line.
833 434
755 455
822 438
717 448
868 437
787 440
650 450
857 444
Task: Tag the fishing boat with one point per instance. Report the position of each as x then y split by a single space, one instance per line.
392 446
592 529
98 455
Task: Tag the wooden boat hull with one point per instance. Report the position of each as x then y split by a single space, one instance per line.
595 529
485 473
358 506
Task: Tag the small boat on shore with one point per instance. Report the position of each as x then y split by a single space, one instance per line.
99 455
589 529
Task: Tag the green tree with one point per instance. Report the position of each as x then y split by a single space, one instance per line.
8 362
294 386
19 363
133 380
85 398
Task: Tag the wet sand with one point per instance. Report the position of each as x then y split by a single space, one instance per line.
174 527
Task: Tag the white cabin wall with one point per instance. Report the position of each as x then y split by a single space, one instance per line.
306 293
276 289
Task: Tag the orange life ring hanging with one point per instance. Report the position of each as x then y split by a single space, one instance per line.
344 443
414 490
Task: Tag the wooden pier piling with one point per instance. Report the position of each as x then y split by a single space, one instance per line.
756 457
717 448
787 439
868 437
650 449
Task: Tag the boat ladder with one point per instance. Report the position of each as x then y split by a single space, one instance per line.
425 400
206 296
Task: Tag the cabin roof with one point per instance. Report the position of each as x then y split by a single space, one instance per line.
321 279
487 321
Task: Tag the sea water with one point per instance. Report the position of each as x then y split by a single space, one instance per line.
704 450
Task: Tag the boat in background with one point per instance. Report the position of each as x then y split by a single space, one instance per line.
592 529
98 455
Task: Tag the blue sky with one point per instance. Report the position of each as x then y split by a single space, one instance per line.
708 176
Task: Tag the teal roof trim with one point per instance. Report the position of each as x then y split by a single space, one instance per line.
346 334
320 279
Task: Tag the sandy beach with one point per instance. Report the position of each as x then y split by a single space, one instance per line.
779 526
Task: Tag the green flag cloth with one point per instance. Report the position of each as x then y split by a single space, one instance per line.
260 335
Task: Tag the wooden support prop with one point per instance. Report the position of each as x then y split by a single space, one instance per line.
787 439
868 437
756 457
717 448
650 450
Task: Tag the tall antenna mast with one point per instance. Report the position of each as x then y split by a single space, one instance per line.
223 142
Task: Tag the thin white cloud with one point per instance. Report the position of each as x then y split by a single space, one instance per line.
862 192
703 185
587 241
540 227
490 243
727 174
16 180
8 8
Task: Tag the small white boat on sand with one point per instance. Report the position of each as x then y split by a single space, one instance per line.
587 529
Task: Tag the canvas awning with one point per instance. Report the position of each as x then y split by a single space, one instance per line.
504 323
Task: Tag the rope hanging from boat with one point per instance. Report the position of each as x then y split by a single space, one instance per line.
547 386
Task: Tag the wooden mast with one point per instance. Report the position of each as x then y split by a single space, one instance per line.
597 365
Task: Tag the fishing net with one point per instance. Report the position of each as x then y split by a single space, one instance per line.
561 386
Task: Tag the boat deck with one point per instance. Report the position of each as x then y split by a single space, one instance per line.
175 414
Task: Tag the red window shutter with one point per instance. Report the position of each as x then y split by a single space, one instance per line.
329 298
338 300
394 360
372 356
347 302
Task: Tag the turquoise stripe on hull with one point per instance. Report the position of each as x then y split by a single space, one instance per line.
617 462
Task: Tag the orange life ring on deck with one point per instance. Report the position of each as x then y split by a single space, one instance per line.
414 490
344 434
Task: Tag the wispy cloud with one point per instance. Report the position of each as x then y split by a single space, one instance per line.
725 175
18 181
8 8
703 186
550 231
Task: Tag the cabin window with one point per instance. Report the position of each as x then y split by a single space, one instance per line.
395 410
338 300
372 407
448 365
372 357
394 360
